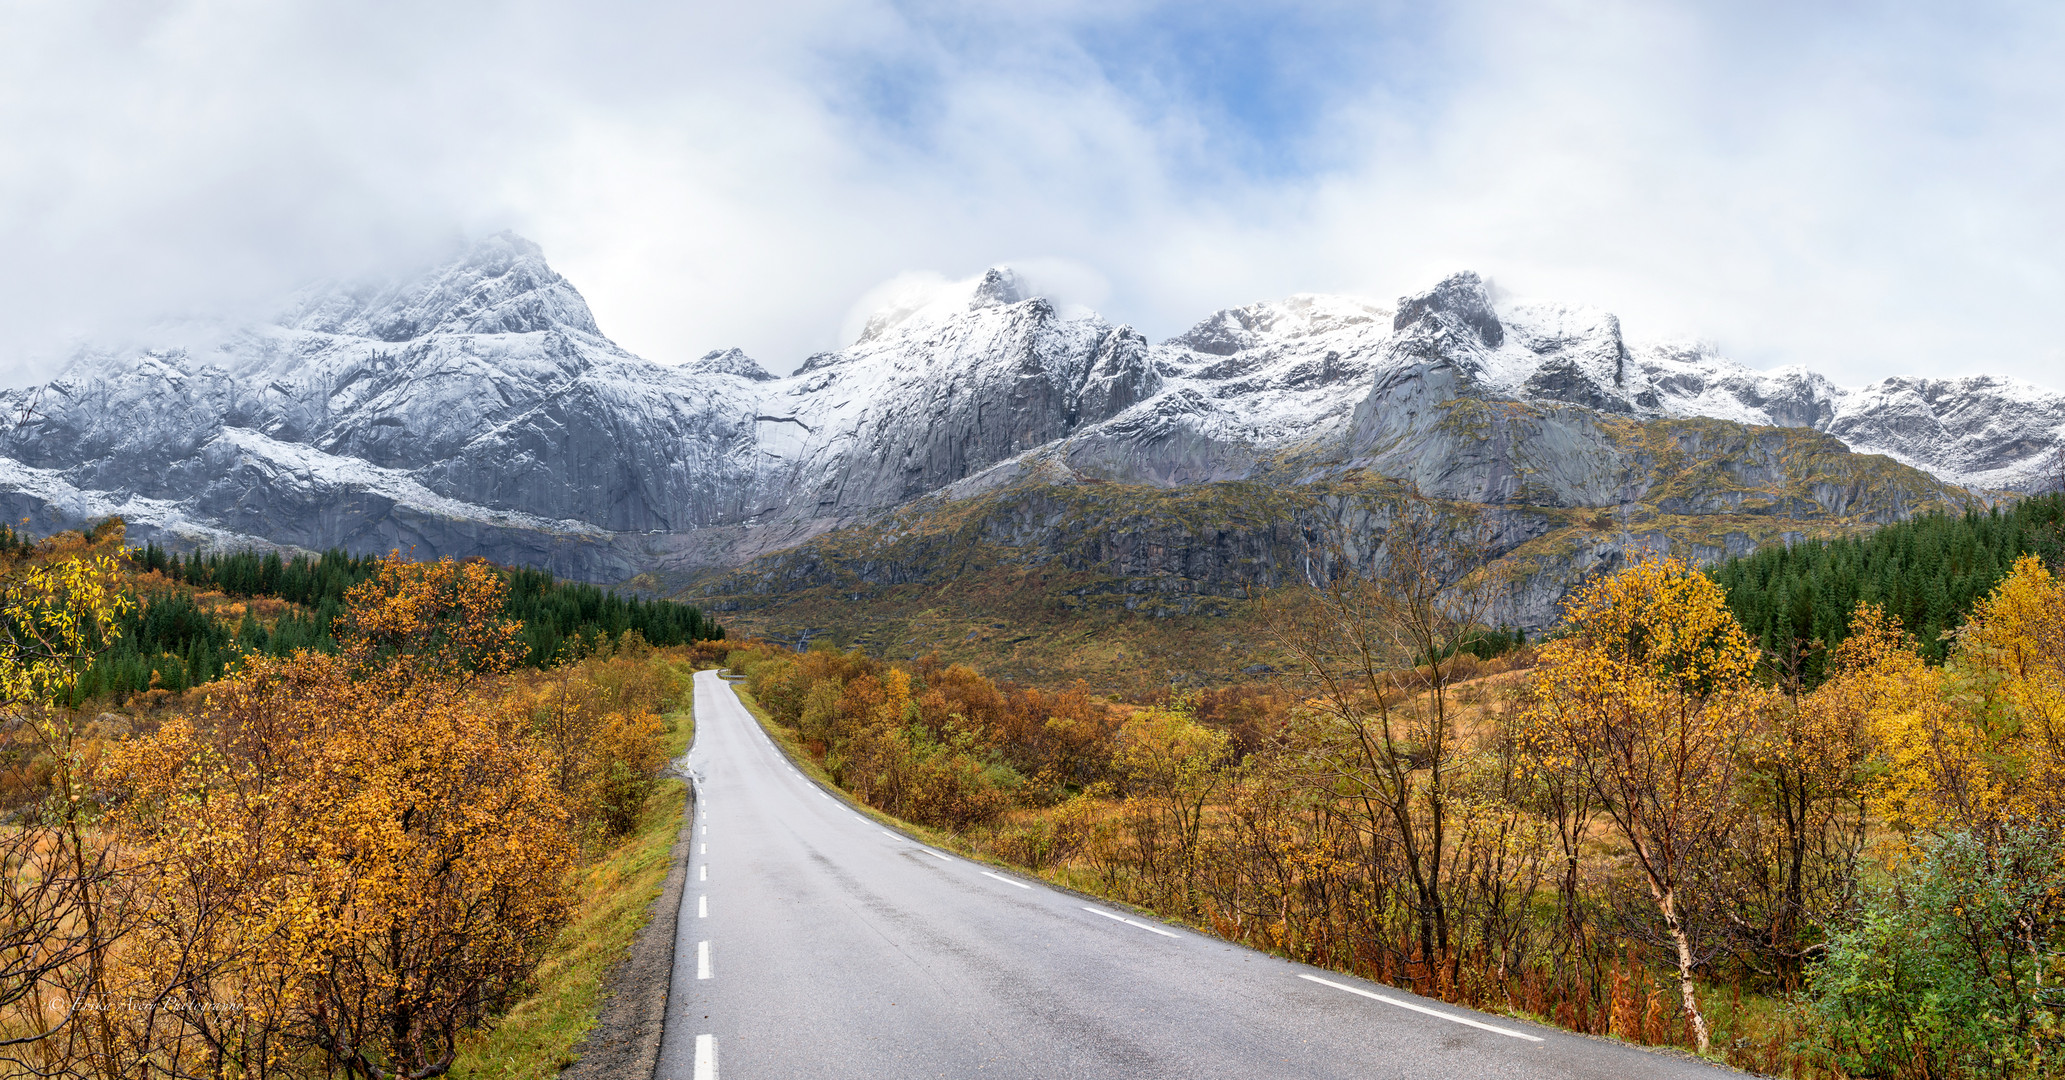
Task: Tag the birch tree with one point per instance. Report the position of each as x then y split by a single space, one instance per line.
1649 698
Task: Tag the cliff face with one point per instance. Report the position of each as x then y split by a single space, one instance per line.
478 409
1703 489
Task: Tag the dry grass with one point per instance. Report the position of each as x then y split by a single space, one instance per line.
536 1038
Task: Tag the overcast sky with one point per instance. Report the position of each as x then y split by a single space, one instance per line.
1868 189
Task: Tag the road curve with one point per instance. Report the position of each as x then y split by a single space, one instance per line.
814 943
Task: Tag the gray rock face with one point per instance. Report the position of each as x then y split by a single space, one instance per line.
502 287
478 409
1419 424
729 362
1457 304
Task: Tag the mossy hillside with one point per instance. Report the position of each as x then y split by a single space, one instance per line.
1701 466
1124 584
951 582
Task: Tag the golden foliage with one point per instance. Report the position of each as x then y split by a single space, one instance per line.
51 618
55 881
443 618
599 728
1981 743
357 868
1171 765
1649 699
337 864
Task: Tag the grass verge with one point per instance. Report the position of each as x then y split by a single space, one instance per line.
536 1038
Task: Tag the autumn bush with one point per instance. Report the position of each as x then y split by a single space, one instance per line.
343 864
347 868
934 743
600 728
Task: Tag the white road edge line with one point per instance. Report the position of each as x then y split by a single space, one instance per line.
1436 1013
702 959
702 873
1006 880
706 1057
702 907
705 850
1128 922
935 854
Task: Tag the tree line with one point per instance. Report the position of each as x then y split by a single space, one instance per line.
1797 599
169 641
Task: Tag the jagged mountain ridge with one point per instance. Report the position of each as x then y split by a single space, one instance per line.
478 409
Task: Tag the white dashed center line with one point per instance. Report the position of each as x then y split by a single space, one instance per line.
1436 1013
1129 922
1006 880
706 1057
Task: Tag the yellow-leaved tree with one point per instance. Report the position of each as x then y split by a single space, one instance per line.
438 619
1813 767
56 928
1171 764
1982 744
2012 649
1648 698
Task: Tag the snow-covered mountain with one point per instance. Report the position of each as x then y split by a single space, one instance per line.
478 408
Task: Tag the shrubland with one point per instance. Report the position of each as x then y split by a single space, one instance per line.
1654 824
347 862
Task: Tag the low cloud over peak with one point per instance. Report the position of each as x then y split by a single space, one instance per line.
1869 194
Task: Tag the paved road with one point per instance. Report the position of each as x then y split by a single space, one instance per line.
814 943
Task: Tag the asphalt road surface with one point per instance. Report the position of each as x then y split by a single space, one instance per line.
815 943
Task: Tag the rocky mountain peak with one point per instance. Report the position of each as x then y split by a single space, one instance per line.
1223 334
729 362
1000 285
1460 301
929 306
1300 315
501 284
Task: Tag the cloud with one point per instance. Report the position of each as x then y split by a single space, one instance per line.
1866 189
902 298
